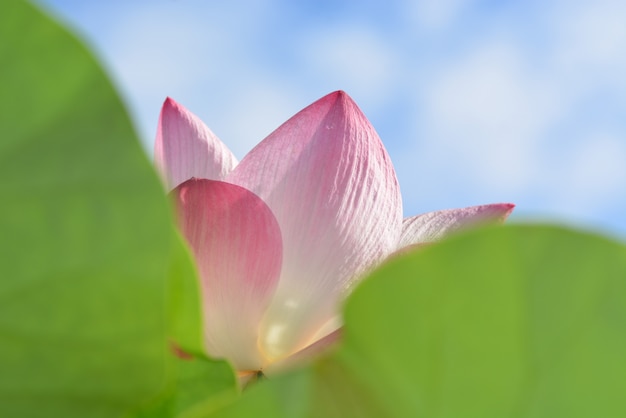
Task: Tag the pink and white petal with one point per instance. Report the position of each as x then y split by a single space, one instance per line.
186 148
331 185
237 245
433 226
317 348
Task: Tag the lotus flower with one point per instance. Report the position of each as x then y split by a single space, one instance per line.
282 237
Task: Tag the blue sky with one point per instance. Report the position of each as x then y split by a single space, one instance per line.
476 101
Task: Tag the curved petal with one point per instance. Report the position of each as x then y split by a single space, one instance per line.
317 348
330 183
237 245
433 226
186 148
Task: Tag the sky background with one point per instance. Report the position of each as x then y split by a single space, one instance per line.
476 101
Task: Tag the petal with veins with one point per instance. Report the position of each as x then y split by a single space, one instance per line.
433 226
186 148
237 245
331 185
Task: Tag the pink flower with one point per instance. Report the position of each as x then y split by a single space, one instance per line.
281 238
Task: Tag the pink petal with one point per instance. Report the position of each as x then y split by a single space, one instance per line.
434 226
237 245
186 148
331 185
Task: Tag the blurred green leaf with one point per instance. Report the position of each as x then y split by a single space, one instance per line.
200 382
85 234
195 381
524 321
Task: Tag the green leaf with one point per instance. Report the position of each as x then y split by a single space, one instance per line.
525 321
86 234
200 383
195 381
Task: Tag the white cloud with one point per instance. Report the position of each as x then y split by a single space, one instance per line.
355 59
436 14
590 47
593 174
153 50
488 112
593 31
